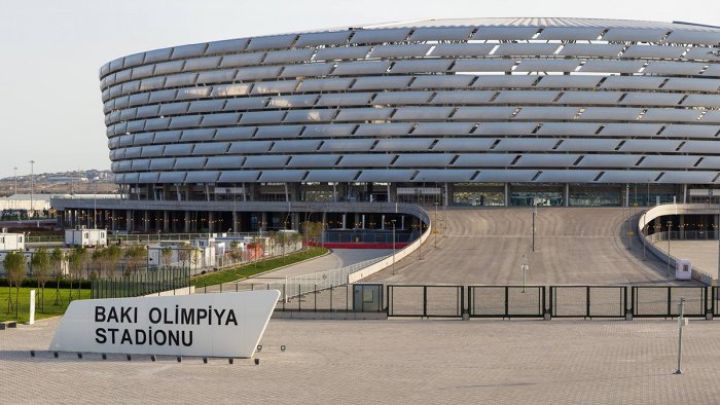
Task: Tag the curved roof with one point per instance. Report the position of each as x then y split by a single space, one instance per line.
544 22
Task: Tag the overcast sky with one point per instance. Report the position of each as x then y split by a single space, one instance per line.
50 108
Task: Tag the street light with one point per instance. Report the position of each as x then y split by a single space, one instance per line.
32 185
435 227
534 214
669 234
393 246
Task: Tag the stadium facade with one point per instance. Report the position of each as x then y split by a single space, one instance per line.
510 111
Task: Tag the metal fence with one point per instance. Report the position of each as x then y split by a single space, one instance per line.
588 301
550 302
425 300
506 301
141 283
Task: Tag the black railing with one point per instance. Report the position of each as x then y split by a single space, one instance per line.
141 283
588 301
506 301
428 301
456 301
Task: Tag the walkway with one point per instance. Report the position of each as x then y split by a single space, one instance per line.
573 246
399 362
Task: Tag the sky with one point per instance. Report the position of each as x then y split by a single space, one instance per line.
50 107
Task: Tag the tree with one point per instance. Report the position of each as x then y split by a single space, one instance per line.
184 253
166 254
15 269
113 254
56 261
134 256
77 260
312 231
99 259
41 267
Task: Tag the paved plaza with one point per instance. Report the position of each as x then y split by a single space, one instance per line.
581 246
394 361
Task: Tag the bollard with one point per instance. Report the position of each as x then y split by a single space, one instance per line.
129 358
79 355
32 353
55 354
179 359
104 356
282 348
257 362
153 358
259 348
681 325
204 360
231 360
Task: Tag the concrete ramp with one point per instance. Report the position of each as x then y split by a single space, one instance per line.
584 246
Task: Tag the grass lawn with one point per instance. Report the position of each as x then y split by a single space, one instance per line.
50 309
250 269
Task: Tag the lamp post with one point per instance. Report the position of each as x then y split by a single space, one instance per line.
32 185
435 227
669 234
393 245
534 214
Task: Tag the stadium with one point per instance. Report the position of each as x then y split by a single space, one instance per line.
360 127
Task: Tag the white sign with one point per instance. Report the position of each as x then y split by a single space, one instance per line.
212 325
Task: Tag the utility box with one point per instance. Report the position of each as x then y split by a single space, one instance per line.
11 241
368 297
683 269
86 237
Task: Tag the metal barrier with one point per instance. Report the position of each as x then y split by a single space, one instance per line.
427 301
588 301
141 283
662 302
455 301
506 301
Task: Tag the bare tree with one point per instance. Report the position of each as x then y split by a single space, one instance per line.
41 267
16 271
56 261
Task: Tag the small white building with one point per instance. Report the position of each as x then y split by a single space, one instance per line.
82 236
11 241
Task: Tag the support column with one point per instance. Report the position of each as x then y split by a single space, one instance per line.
235 222
113 222
626 203
344 221
146 221
382 221
187 221
685 193
129 221
166 221
402 222
211 221
264 220
295 221
507 194
567 195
